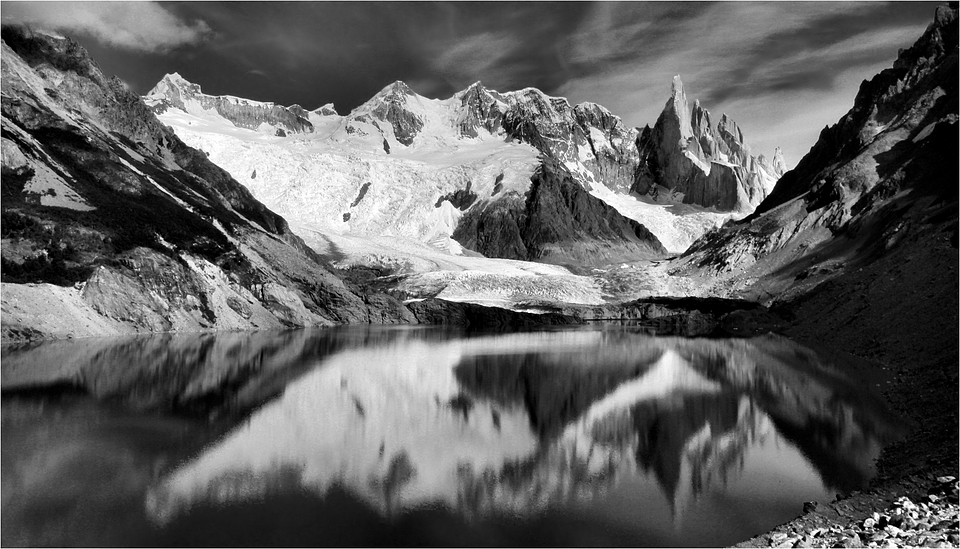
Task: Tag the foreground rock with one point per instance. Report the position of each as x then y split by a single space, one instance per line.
930 521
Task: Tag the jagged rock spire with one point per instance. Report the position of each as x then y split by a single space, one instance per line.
678 107
711 166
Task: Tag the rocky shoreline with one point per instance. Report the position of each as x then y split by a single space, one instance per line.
926 520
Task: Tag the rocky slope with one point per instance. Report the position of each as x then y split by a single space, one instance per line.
112 225
684 153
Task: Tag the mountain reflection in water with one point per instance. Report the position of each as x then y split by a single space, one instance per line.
603 423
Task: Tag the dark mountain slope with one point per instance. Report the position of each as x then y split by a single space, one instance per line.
557 222
140 232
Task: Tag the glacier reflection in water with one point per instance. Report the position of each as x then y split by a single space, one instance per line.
587 436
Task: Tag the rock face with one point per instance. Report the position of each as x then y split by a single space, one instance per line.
590 140
711 166
390 106
112 225
173 90
480 109
557 222
875 181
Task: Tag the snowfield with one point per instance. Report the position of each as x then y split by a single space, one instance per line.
676 224
352 186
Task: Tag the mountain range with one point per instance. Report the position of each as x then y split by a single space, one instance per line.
483 152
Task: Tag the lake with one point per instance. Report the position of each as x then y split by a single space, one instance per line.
595 435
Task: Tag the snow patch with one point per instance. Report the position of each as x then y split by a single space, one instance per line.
676 225
53 190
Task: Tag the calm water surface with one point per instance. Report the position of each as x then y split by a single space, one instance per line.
600 435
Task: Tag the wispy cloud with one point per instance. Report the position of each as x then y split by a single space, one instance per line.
799 64
477 57
141 26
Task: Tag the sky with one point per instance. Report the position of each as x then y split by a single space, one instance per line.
782 70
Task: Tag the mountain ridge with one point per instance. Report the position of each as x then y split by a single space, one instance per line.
589 141
392 143
175 91
532 116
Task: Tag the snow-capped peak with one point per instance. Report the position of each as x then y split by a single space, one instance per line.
398 86
396 92
174 88
176 79
325 110
175 91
